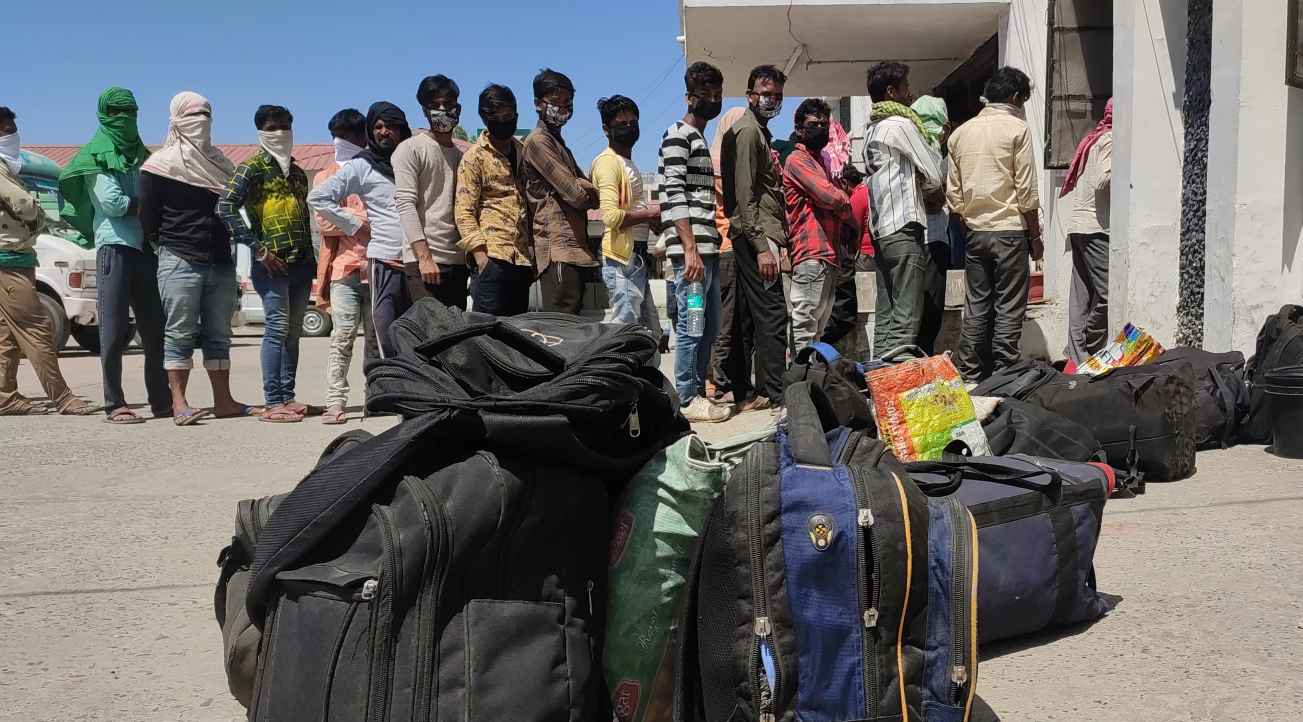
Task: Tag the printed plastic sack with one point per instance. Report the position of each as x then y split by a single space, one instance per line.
922 409
658 521
1133 347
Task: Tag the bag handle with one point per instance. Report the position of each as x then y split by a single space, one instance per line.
500 331
910 350
986 471
810 416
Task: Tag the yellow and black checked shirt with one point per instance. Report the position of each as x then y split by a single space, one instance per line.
277 208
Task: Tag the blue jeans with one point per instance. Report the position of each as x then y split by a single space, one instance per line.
198 301
284 301
692 355
627 286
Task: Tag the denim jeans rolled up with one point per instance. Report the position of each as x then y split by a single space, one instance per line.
198 302
284 302
692 354
626 287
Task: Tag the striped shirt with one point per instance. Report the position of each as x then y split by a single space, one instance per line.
686 181
901 168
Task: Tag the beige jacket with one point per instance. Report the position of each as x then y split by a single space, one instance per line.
21 216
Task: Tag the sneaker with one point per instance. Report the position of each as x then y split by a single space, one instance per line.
703 412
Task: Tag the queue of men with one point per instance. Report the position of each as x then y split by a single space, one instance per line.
405 214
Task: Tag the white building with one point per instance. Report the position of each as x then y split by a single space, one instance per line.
1079 53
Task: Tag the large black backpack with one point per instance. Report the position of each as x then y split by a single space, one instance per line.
829 586
1280 343
1222 396
454 566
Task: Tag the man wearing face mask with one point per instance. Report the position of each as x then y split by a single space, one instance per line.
490 209
425 172
816 212
342 271
625 215
559 198
370 176
272 189
100 187
24 326
686 180
753 201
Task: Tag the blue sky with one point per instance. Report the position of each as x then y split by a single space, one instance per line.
242 53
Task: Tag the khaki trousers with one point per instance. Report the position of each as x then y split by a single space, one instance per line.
25 328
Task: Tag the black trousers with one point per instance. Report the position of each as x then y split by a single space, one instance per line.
766 308
997 269
934 296
845 304
502 288
390 299
127 283
731 357
454 280
562 285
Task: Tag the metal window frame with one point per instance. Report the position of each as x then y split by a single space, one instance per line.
1051 24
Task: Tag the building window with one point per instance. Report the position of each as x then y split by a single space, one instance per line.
1080 74
1294 52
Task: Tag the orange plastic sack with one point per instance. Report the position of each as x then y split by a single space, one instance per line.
922 407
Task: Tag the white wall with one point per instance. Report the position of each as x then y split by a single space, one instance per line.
1148 144
1255 185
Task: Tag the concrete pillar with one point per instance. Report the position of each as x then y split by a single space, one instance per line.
1255 180
1148 141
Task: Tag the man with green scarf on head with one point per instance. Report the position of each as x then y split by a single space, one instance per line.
99 187
901 168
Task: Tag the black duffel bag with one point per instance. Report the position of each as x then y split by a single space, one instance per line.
1038 524
1222 396
1280 344
454 566
1019 427
840 379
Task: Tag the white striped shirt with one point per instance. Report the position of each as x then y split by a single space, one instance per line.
901 168
686 188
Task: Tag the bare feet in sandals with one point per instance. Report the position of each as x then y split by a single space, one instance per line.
281 415
23 407
334 415
79 407
304 409
123 416
237 410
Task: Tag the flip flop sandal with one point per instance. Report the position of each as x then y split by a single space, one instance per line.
28 408
191 418
244 412
334 416
281 416
84 408
123 417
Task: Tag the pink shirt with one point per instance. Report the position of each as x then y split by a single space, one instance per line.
350 251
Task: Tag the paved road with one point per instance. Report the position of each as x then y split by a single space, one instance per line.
108 538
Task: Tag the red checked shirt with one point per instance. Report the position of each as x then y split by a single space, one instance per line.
816 208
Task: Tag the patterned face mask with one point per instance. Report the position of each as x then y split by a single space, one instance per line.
769 107
443 121
554 116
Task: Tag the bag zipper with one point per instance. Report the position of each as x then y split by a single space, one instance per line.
382 657
960 608
427 610
866 551
264 656
339 648
766 697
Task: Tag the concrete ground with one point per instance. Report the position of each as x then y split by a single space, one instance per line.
109 537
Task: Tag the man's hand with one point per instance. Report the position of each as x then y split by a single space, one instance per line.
693 268
323 293
768 266
272 263
591 190
1036 246
429 270
481 259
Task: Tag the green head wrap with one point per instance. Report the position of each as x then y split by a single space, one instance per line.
932 111
115 147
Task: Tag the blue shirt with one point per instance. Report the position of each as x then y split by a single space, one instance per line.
111 197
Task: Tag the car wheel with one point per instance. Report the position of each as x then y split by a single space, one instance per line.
316 323
59 323
88 337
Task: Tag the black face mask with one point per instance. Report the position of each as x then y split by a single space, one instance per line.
501 129
815 138
626 135
707 109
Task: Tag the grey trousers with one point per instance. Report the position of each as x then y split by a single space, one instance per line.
997 268
902 270
1088 301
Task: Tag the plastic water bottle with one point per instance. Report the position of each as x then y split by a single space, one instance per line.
696 309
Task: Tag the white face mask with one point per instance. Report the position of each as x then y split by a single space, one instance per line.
279 144
345 151
9 145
